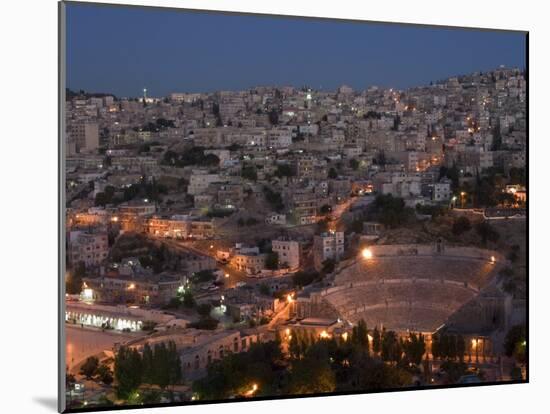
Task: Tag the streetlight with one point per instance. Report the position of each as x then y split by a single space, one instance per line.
366 253
252 390
462 198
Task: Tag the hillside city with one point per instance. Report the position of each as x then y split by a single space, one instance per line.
281 241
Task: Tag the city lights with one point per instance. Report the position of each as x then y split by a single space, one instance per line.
272 241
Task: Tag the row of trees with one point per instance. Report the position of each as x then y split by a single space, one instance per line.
312 365
486 232
160 366
92 369
390 211
151 190
192 156
448 346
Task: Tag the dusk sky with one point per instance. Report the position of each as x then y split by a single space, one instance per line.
122 50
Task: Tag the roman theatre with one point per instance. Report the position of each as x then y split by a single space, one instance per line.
413 288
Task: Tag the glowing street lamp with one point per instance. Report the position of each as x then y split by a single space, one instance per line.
252 390
366 253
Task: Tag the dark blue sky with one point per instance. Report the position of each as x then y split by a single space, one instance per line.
121 50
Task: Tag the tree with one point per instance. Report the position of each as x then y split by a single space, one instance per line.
251 221
161 365
151 397
235 373
454 370
391 349
188 299
303 278
376 343
517 176
73 285
414 348
272 261
380 158
461 225
310 376
396 122
332 174
204 309
166 365
273 117
444 346
390 211
105 197
203 276
264 289
497 137
284 170
148 364
354 164
516 373
515 343
274 198
487 232
325 209
128 371
452 352
435 346
294 345
89 367
248 172
460 347
206 323
105 374
359 336
329 266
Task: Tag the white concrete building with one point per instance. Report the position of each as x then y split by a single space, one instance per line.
288 251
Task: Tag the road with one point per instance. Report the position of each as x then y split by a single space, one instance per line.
233 276
84 342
